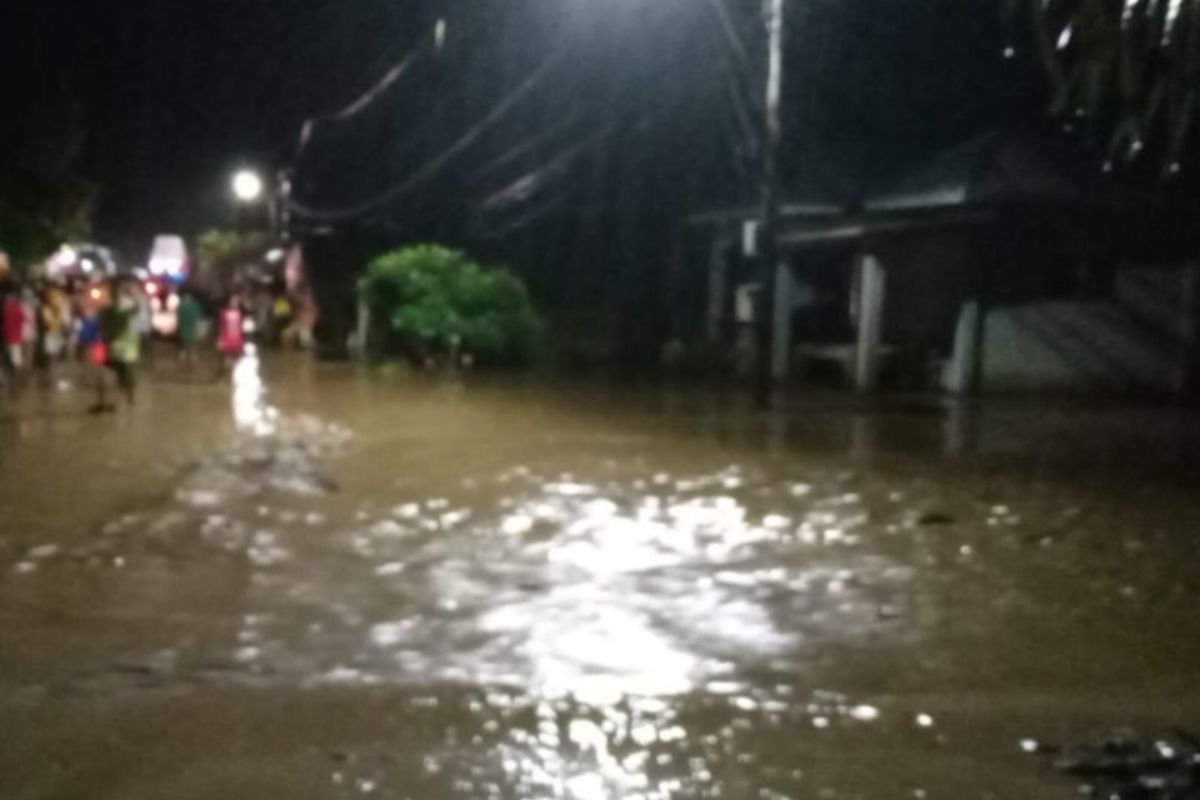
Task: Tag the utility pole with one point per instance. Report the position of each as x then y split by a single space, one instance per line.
767 245
283 197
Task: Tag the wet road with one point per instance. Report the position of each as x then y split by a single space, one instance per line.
308 582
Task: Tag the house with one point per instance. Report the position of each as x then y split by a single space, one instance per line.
1003 264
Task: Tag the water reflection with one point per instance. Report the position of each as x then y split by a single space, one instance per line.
251 413
594 590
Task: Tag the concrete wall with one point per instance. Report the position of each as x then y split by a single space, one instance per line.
1131 343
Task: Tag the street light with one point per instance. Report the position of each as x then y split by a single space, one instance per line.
247 186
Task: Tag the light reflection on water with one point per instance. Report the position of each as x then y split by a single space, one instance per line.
251 413
568 589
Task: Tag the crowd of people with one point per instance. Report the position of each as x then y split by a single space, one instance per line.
59 333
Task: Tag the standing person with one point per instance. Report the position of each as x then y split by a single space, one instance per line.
187 330
119 327
56 326
29 325
281 319
145 318
92 349
230 338
14 330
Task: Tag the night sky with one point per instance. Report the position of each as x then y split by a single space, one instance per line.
636 111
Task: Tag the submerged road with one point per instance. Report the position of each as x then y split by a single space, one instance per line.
308 581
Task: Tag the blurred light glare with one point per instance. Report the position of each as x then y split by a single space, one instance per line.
66 256
247 186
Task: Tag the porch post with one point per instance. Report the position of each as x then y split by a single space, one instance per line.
967 359
717 289
872 286
781 346
1188 386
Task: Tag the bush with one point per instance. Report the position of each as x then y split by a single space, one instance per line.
429 299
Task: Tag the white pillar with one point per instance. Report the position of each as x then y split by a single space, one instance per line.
872 287
960 378
718 290
781 334
363 331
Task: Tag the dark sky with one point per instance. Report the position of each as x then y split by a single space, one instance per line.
173 95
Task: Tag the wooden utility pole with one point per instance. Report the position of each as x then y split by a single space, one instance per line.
767 245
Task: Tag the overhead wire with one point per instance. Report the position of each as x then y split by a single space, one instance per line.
364 101
529 145
735 70
521 188
530 217
433 166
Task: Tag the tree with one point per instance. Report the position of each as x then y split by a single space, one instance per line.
44 201
1127 71
222 255
430 300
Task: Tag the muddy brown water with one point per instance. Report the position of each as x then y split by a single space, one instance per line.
312 582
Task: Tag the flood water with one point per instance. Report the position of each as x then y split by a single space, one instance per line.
309 581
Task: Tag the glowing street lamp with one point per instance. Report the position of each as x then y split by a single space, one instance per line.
247 186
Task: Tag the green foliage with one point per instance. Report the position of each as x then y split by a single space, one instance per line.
432 299
1129 71
221 254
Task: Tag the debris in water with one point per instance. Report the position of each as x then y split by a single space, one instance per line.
1125 764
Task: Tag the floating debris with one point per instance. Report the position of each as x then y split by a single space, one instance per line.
1127 765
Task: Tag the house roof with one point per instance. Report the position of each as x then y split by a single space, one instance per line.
995 170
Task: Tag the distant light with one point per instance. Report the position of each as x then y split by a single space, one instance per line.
66 257
87 264
1010 52
248 325
165 265
95 293
924 721
151 288
247 186
1064 39
439 34
275 255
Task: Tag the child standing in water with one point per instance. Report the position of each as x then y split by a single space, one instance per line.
230 339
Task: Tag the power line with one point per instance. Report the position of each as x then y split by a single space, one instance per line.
433 166
364 101
527 146
526 185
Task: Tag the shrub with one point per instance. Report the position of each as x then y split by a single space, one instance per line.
430 299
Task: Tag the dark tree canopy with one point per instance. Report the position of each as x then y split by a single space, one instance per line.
1127 71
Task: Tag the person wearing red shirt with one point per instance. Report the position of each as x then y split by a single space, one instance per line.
14 329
